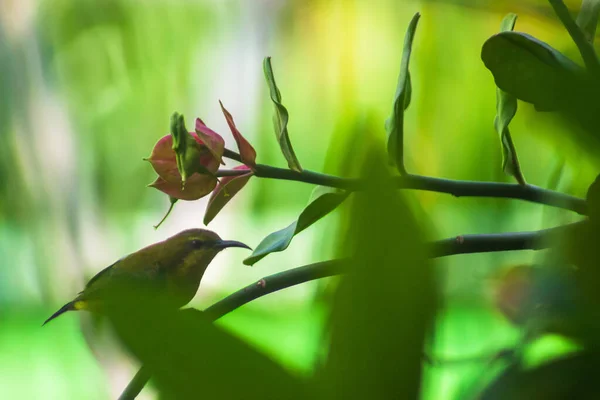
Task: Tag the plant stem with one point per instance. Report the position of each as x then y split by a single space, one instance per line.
232 155
466 244
136 385
458 188
585 47
231 172
461 188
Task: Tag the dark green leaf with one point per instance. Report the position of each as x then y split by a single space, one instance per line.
569 377
587 19
385 306
188 357
531 70
506 108
323 201
280 118
395 123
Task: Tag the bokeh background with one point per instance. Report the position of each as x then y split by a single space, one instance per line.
87 87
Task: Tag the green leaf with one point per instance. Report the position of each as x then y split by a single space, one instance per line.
508 23
587 19
384 308
280 118
565 377
395 123
323 201
188 357
531 70
506 108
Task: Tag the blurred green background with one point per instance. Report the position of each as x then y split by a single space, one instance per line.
88 87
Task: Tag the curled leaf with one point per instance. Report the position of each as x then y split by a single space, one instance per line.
224 192
280 118
323 201
506 108
247 152
395 123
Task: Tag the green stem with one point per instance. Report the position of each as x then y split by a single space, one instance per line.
457 188
232 155
585 47
231 172
172 201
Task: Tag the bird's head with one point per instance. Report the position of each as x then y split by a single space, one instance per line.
194 249
188 254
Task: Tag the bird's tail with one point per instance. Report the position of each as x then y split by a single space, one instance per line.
67 307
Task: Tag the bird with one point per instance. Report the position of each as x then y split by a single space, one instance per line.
166 273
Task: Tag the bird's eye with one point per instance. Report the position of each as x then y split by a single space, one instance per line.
196 243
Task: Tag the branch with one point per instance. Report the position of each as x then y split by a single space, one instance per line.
466 244
274 283
456 188
460 188
534 240
136 385
586 49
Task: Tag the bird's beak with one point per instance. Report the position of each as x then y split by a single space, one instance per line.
223 244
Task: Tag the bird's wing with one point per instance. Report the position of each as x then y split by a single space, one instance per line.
99 275
115 280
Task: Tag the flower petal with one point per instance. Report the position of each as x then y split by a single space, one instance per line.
206 157
196 187
225 190
211 139
164 162
247 152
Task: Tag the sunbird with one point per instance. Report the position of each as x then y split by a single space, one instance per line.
167 273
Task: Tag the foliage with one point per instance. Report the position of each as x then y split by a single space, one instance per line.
386 304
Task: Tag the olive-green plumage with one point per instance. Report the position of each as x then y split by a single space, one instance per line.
168 272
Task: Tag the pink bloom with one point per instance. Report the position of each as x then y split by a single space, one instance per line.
211 140
169 179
